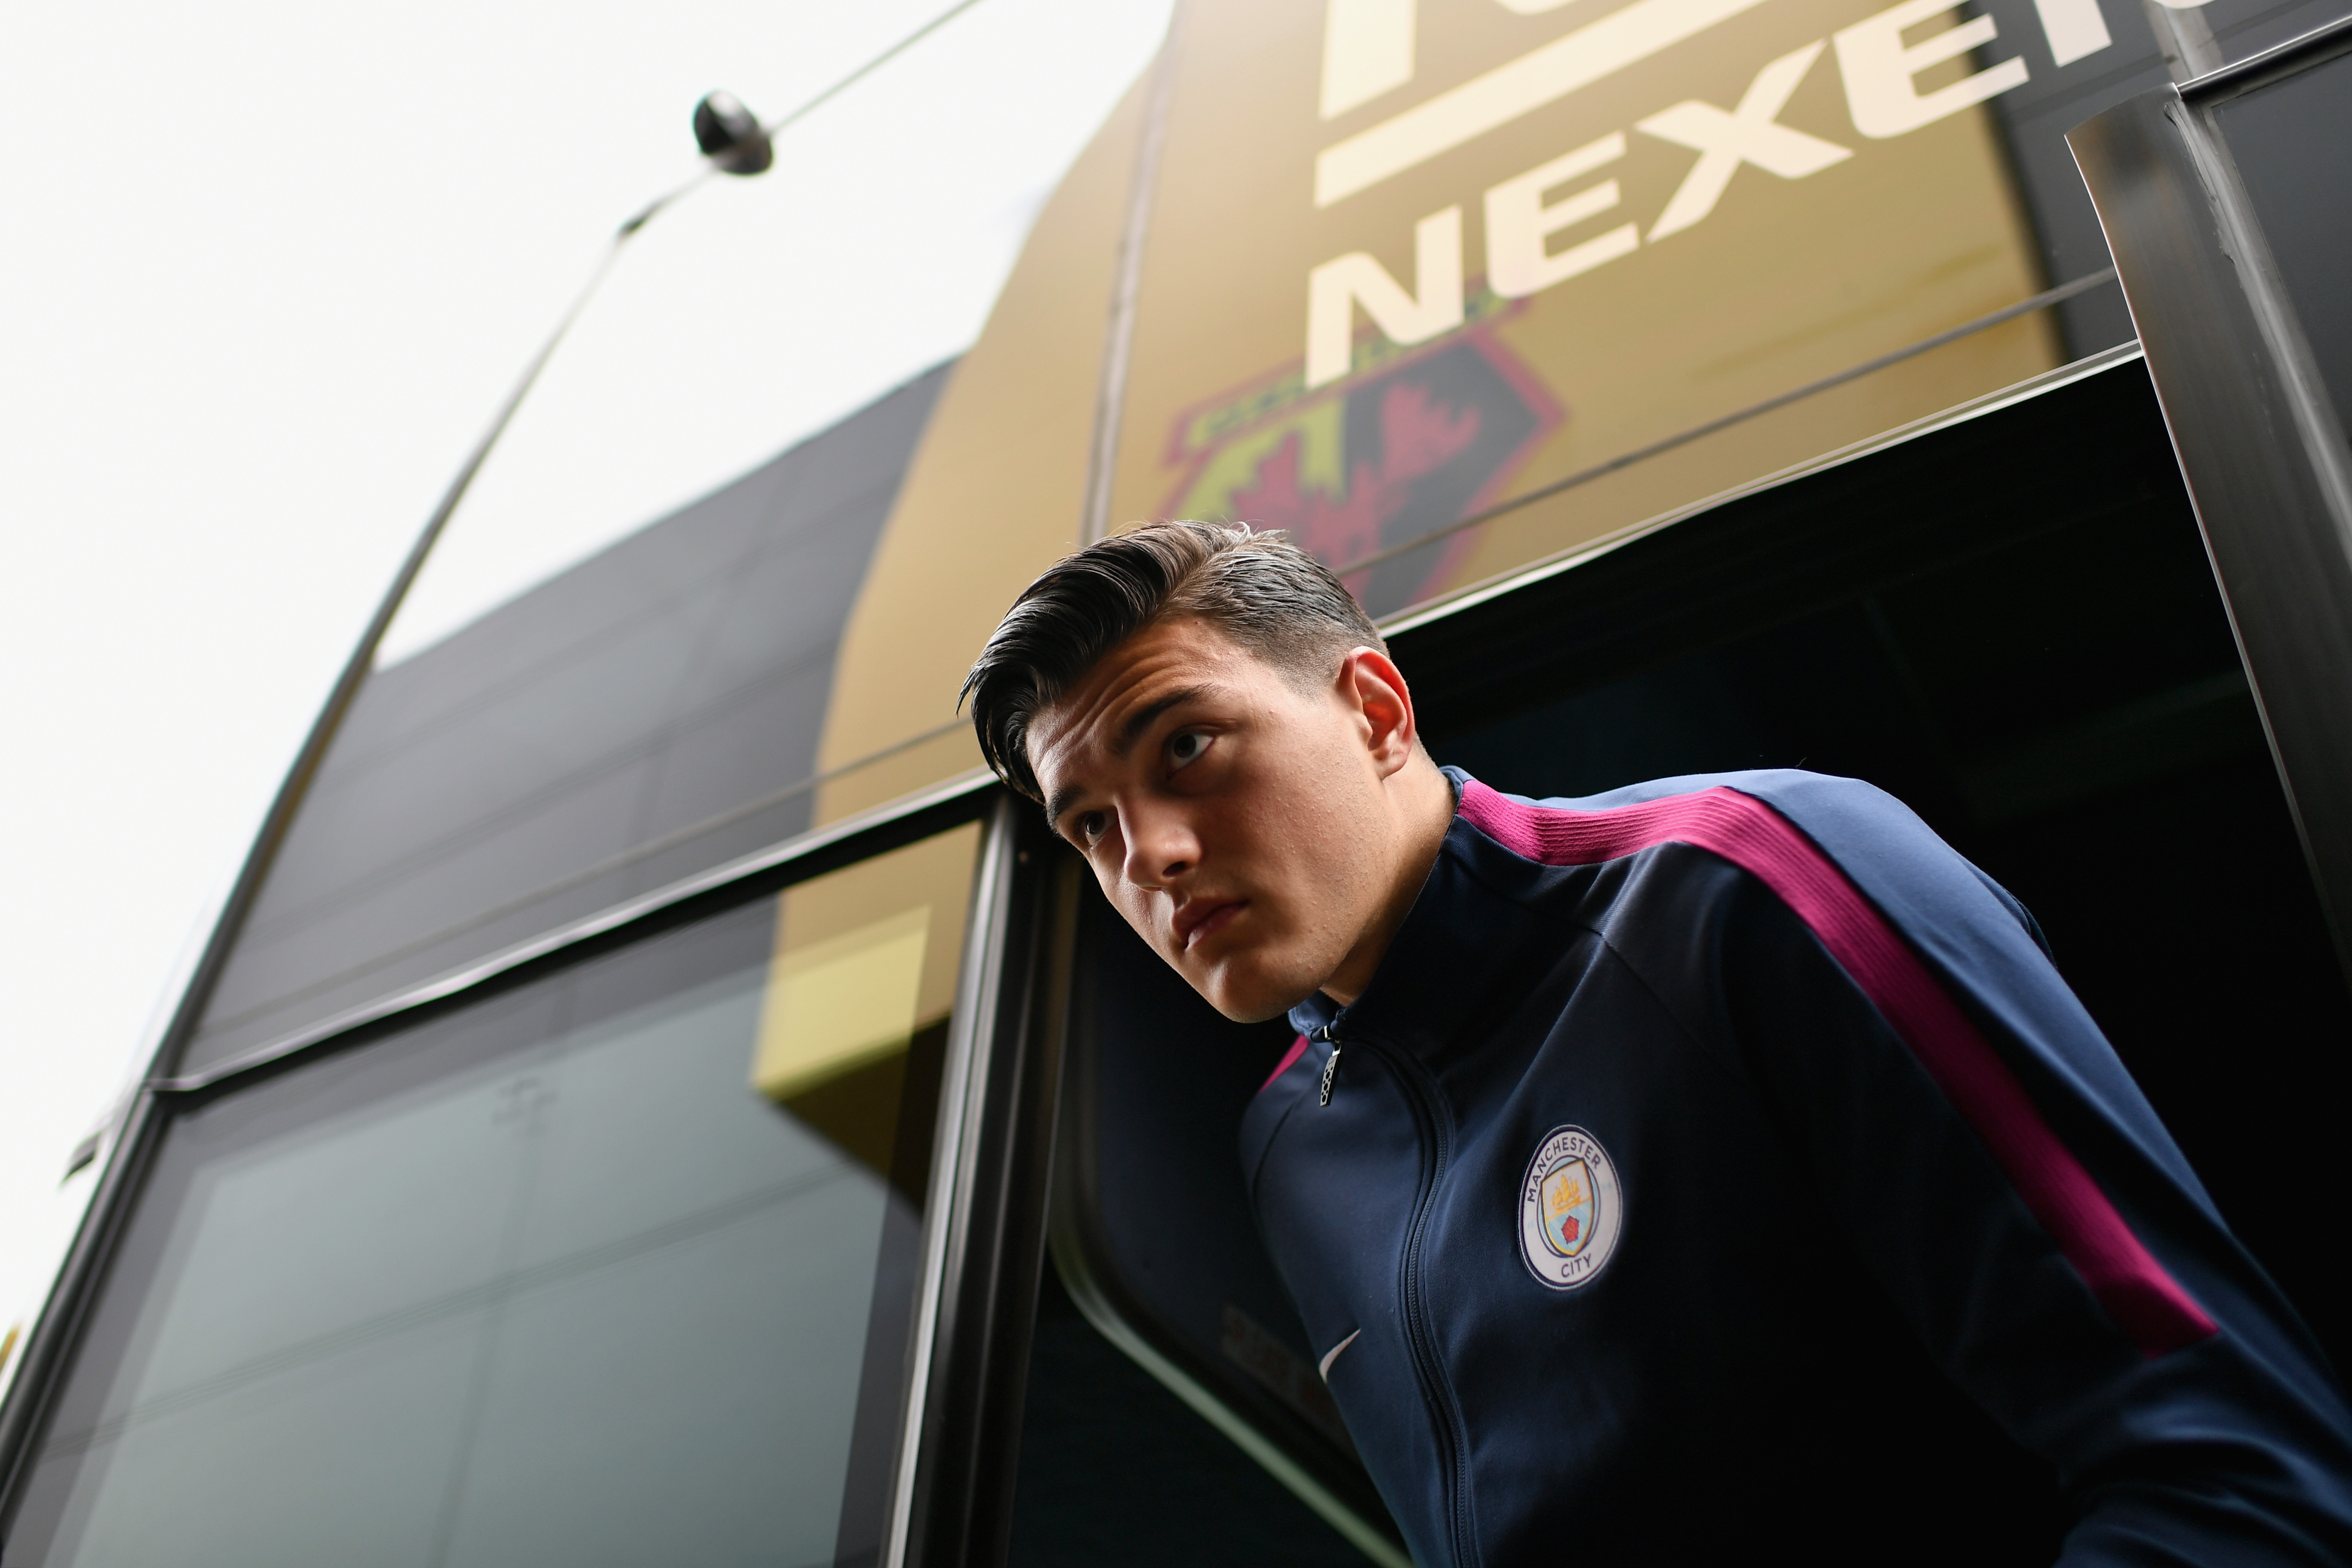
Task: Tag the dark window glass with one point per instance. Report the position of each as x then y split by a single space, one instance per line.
2143 51
2292 141
1114 1469
614 1269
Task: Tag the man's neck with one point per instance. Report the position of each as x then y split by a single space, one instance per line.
1424 810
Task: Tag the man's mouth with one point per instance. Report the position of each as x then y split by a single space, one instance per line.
1198 922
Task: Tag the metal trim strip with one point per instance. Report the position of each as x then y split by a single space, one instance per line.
1127 286
2261 446
1464 598
464 978
972 1040
1602 470
2238 74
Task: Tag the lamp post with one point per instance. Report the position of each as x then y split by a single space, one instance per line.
732 141
731 136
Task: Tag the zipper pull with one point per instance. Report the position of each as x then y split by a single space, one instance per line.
1331 1066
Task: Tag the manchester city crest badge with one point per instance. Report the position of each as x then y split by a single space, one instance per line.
1571 1210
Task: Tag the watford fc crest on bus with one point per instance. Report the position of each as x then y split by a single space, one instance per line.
1356 472
1571 1209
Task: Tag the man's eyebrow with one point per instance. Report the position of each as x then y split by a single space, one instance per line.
1130 732
1143 717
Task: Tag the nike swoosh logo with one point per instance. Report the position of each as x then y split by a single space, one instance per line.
1323 1366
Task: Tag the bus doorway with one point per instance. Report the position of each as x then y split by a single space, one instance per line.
2005 619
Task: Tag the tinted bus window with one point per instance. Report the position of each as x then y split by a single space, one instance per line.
615 1269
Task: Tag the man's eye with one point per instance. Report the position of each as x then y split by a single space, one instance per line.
1185 745
1089 826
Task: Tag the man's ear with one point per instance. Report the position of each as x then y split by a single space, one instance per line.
1370 683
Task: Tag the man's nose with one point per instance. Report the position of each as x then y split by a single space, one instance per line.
1161 846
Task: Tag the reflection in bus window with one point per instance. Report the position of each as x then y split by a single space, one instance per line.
857 999
614 1269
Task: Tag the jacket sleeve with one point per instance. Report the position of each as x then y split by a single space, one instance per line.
1995 1169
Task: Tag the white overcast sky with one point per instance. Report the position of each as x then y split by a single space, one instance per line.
268 270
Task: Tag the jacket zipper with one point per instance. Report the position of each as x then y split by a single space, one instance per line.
1436 1393
1331 1063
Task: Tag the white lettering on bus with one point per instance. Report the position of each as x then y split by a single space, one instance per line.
1518 87
1334 288
1367 50
1879 71
1878 68
1748 135
1518 223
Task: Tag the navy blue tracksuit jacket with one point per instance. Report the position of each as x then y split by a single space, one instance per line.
1719 1170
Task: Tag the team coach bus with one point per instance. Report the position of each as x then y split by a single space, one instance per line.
652 1097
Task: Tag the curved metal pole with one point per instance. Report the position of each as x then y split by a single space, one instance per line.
308 760
314 752
43 1350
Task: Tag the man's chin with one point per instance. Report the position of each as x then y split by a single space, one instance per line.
1255 1013
1250 997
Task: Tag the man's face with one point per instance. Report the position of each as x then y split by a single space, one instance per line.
1238 822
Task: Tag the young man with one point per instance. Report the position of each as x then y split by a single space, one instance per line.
1716 1168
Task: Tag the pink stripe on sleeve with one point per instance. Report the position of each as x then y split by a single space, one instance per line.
1297 1049
2145 1300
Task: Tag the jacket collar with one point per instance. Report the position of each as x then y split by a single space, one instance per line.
1451 965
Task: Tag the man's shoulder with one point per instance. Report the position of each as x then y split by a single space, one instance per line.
1791 791
1849 819
1877 843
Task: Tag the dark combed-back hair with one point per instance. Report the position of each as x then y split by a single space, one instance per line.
1258 589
